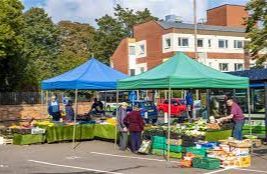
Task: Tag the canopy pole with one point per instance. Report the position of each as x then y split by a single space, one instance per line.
169 123
208 102
46 102
249 111
75 118
265 94
117 120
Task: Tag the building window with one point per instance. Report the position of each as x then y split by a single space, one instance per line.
209 43
132 50
167 43
239 66
223 43
183 42
200 43
132 72
223 66
142 69
238 44
142 49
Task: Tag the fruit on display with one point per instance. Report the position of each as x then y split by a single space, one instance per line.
44 123
112 121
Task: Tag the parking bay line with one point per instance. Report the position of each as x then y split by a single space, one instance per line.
132 157
73 167
221 170
251 170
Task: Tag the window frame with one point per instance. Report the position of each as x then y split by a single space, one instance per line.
236 64
202 40
167 44
181 41
221 64
130 50
225 43
236 44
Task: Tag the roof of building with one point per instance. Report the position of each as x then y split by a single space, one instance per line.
226 5
253 74
168 25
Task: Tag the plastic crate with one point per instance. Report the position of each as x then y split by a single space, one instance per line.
158 152
158 140
198 152
159 146
176 142
174 148
176 155
206 163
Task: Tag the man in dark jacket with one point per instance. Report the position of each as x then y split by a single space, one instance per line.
135 124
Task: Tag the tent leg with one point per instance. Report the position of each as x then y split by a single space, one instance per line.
169 123
265 94
75 118
46 102
249 111
117 115
208 102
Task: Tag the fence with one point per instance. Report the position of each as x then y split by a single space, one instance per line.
18 98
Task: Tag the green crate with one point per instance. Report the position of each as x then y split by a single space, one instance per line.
198 152
206 163
159 140
174 148
158 152
176 155
159 146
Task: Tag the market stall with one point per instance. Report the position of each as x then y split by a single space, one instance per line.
92 75
182 72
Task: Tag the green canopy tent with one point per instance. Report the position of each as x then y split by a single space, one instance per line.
182 72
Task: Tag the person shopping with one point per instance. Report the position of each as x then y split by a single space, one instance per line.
123 131
238 118
135 124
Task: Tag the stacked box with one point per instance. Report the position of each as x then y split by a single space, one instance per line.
198 152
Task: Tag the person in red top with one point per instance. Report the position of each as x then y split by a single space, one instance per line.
135 124
238 118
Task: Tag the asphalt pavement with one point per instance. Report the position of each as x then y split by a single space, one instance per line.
91 157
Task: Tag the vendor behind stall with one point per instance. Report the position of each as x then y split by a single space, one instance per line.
238 118
69 111
97 108
53 108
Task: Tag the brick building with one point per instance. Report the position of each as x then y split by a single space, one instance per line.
220 42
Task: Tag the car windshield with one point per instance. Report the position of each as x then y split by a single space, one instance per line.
182 101
148 103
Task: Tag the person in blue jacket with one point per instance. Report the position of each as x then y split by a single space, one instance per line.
53 108
69 111
189 104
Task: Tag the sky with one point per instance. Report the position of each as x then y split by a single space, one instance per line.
86 11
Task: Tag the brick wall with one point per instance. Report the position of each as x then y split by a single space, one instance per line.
227 15
119 58
38 111
152 33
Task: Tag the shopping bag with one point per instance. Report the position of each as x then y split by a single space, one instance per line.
145 147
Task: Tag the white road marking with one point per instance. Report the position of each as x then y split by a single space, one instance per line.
132 157
72 157
221 170
251 170
73 167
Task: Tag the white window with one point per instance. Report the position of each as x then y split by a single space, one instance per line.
167 43
223 43
142 49
239 66
238 44
199 42
209 43
183 42
132 50
223 66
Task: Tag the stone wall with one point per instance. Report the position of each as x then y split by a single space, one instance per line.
37 111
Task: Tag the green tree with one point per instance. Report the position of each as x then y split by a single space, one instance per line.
41 47
257 29
11 44
75 39
113 29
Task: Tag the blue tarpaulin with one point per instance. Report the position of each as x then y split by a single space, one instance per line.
92 75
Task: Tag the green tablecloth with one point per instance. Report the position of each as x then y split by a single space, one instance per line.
255 130
104 131
218 135
20 139
65 133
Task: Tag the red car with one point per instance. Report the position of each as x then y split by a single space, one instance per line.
178 106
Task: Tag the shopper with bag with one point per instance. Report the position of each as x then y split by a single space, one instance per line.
135 125
123 131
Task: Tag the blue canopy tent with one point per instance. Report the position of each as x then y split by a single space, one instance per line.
92 75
